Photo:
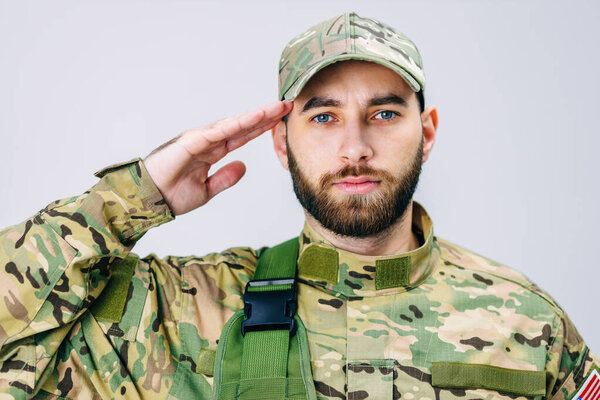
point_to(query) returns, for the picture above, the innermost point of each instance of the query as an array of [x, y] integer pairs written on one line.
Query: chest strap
[[263, 349]]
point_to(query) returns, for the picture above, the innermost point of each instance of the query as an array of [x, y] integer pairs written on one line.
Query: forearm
[[56, 263]]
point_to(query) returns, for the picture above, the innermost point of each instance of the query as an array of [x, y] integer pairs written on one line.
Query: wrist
[[132, 203]]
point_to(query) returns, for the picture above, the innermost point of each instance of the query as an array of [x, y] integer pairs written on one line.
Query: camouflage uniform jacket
[[378, 327]]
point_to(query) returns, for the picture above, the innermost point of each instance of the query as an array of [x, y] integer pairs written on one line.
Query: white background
[[513, 175]]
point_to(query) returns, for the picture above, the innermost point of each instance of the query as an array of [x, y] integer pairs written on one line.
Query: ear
[[429, 120], [279, 133]]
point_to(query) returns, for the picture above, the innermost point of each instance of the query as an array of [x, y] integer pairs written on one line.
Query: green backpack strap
[[263, 349]]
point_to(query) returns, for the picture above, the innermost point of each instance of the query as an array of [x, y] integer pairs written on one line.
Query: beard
[[357, 215]]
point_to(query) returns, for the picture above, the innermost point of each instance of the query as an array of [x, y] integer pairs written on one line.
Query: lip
[[357, 184], [358, 179]]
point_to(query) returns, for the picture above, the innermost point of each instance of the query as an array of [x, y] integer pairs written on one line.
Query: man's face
[[355, 147]]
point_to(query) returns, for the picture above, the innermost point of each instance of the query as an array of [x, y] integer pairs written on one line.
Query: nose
[[355, 146]]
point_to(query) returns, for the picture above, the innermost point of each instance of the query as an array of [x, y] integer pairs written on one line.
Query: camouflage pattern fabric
[[365, 342], [344, 37]]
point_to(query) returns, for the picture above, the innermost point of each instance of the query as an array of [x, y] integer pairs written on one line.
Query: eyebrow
[[316, 102], [388, 99]]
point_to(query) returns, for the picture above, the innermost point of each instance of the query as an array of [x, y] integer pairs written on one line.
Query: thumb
[[224, 178]]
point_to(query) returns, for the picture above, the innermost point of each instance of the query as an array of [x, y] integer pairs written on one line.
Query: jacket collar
[[350, 274]]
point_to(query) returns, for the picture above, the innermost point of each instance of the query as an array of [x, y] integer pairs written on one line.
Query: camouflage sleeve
[[56, 263], [573, 363]]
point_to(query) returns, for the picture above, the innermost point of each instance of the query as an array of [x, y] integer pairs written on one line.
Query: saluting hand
[[180, 167]]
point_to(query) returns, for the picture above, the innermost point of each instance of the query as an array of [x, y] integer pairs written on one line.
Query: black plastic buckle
[[270, 310]]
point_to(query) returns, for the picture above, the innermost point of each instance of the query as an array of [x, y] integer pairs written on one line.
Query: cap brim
[[299, 84]]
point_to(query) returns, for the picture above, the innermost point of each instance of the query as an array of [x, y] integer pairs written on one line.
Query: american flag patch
[[590, 389]]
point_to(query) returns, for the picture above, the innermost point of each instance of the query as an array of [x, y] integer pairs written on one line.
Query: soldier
[[365, 304]]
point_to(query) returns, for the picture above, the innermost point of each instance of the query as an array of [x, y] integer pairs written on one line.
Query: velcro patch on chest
[[590, 390]]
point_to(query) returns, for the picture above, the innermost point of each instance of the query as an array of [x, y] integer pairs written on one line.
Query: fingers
[[247, 122], [201, 139], [236, 142], [225, 177]]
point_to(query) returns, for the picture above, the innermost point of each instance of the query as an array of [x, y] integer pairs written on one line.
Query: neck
[[398, 238]]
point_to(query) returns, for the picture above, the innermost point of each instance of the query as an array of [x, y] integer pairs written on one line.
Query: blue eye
[[322, 118], [385, 114]]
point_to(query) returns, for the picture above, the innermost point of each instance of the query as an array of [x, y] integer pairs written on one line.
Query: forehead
[[354, 78]]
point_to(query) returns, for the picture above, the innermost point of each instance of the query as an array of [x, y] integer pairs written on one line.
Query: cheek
[[314, 156], [315, 162], [396, 153]]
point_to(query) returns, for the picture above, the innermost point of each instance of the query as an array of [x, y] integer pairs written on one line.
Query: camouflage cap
[[347, 37]]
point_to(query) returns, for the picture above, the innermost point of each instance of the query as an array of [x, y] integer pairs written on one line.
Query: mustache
[[355, 170]]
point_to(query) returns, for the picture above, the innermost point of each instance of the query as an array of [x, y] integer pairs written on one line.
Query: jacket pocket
[[480, 376], [119, 308], [372, 379]]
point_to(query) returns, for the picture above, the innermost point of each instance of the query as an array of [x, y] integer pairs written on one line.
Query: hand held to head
[[180, 167]]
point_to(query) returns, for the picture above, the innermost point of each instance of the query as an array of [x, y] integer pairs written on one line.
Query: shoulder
[[535, 324], [477, 269], [206, 289]]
